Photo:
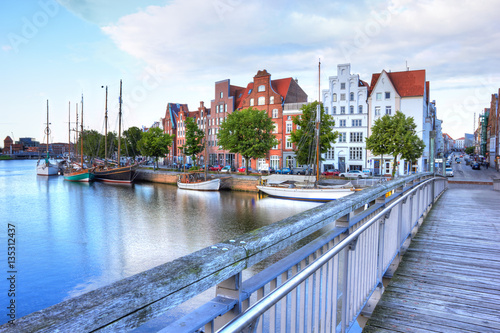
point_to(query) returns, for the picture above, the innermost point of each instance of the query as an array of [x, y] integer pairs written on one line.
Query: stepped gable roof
[[407, 83], [174, 109]]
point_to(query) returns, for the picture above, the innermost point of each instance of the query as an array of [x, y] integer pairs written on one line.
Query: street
[[463, 172]]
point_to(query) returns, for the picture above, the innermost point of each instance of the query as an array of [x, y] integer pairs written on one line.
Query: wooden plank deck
[[449, 279]]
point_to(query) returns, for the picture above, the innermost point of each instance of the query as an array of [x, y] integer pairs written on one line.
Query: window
[[225, 107], [388, 110], [356, 122], [387, 95], [351, 109], [261, 88], [251, 101], [355, 153], [342, 97], [342, 85], [262, 100], [351, 97], [326, 110], [379, 96], [275, 113], [289, 127], [360, 108], [342, 110], [275, 129], [334, 97], [334, 110], [342, 137], [342, 123], [330, 153], [289, 144], [221, 94], [377, 110], [271, 100], [356, 137]]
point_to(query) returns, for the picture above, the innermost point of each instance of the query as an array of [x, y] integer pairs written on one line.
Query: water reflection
[[74, 238]]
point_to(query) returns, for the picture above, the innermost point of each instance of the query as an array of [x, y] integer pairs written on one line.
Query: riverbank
[[228, 182]]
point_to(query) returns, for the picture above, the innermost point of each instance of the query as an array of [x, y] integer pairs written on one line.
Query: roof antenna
[[407, 68]]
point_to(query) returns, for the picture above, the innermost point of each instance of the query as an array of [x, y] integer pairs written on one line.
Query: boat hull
[[209, 185], [121, 175], [306, 194], [81, 176], [47, 169]]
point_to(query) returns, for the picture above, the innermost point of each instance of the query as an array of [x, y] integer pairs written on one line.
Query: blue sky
[[174, 51]]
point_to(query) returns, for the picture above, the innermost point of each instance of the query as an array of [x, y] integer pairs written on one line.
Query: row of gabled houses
[[487, 144], [354, 104]]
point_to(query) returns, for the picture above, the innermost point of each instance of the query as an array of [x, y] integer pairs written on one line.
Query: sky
[[175, 50]]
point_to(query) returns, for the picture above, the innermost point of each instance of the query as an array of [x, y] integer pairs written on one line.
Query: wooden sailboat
[[45, 167], [79, 172], [114, 173], [286, 190]]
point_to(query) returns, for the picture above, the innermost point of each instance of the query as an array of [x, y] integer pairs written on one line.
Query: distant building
[[9, 147], [460, 143], [29, 142], [345, 100]]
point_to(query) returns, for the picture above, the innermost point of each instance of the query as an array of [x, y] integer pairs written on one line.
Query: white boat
[[294, 192], [45, 167], [193, 181]]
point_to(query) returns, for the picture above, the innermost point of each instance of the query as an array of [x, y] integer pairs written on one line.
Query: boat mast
[[206, 144], [81, 136], [120, 123], [106, 129], [69, 130], [318, 120], [47, 132], [76, 133]]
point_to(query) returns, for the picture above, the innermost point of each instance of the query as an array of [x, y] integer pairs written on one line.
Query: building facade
[[346, 101], [407, 92]]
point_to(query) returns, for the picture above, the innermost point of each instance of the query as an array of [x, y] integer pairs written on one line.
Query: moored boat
[[46, 167], [194, 181], [294, 192]]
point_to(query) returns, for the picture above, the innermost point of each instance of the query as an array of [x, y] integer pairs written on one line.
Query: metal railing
[[331, 292], [367, 253]]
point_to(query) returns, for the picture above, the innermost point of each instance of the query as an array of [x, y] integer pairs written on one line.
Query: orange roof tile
[[407, 83]]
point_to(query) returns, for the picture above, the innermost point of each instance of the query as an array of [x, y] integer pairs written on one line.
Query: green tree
[[91, 143], [248, 132], [469, 150], [304, 137], [131, 138], [155, 143], [194, 139], [396, 136]]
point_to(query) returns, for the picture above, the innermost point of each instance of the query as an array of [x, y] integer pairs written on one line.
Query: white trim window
[[355, 153], [261, 100], [342, 123], [356, 122], [275, 113], [289, 144], [289, 126], [330, 153], [356, 137], [261, 88], [377, 111], [342, 137], [388, 110], [271, 100], [360, 108], [251, 102]]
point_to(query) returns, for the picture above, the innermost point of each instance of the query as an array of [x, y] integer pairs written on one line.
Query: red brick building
[[280, 98]]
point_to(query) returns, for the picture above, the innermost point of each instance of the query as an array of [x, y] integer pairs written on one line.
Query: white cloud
[[6, 48]]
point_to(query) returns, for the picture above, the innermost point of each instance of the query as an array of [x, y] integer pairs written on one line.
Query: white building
[[460, 143], [345, 100], [407, 92]]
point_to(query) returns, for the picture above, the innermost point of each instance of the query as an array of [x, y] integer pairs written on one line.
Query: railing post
[[230, 288]]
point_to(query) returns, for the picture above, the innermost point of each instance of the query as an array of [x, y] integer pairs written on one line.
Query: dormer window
[[261, 88]]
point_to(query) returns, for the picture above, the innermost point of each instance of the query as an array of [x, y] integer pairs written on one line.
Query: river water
[[71, 238]]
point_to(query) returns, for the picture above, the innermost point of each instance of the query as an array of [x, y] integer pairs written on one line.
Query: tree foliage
[[395, 135], [304, 137], [469, 150], [248, 132], [131, 138], [155, 143], [194, 139]]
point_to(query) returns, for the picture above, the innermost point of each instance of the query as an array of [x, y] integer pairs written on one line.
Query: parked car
[[301, 171], [354, 174], [476, 166], [284, 171], [449, 172], [242, 169], [216, 167], [331, 172], [226, 169], [265, 169]]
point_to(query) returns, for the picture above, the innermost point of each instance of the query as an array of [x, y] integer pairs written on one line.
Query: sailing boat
[[78, 172], [287, 190], [45, 168], [114, 173]]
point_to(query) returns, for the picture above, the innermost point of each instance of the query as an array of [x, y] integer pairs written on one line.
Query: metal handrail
[[255, 311]]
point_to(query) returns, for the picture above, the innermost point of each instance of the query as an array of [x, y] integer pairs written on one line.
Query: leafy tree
[[155, 143], [194, 139], [131, 137], [395, 135], [248, 132], [91, 142], [304, 137], [469, 150]]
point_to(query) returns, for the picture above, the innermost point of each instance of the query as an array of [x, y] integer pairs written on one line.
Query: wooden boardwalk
[[449, 279]]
